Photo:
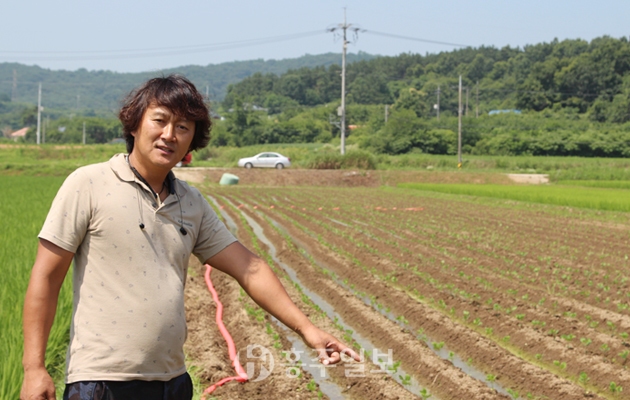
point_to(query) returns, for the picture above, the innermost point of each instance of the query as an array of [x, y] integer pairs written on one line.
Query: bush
[[325, 161], [359, 159], [353, 159]]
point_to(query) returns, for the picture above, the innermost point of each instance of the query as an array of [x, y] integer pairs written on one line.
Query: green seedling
[[311, 385], [560, 364], [438, 345], [583, 378], [615, 388], [405, 380], [514, 393]]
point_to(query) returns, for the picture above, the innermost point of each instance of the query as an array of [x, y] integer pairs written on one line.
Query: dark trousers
[[179, 388]]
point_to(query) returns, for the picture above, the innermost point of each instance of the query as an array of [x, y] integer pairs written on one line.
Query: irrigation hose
[[242, 376]]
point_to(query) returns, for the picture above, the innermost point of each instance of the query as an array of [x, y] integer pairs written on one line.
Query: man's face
[[162, 139]]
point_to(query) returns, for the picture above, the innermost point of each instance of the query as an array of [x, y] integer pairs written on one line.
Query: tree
[[293, 87], [414, 100], [369, 89], [29, 116], [478, 68]]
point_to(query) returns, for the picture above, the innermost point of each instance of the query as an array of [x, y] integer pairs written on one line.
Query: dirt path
[[343, 178]]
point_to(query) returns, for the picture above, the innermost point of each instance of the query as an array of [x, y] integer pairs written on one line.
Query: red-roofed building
[[19, 134]]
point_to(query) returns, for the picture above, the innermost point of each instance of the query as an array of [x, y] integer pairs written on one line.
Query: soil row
[[439, 376], [446, 288]]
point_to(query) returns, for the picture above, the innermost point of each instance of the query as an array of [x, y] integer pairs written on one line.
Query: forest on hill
[[96, 92], [569, 97], [574, 74]]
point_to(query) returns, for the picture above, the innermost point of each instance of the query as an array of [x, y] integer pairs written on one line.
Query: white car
[[265, 160]]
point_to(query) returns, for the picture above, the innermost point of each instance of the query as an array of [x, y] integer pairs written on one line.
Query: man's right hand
[[37, 385], [40, 304]]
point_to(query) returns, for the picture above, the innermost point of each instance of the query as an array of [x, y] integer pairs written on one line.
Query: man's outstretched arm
[[40, 304], [263, 286]]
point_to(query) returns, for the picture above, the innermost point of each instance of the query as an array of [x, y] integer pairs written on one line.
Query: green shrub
[[353, 159], [359, 159]]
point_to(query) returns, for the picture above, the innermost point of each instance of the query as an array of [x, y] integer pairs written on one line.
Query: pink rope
[[242, 376]]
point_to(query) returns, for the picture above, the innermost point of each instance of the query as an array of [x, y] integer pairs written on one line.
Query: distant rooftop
[[19, 133]]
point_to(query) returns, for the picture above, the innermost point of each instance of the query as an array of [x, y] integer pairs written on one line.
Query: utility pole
[[477, 100], [343, 86], [466, 100], [459, 127], [14, 91], [44, 129], [39, 113], [83, 132], [342, 109], [438, 103]]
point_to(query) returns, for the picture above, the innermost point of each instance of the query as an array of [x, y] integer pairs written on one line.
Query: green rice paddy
[[24, 205], [30, 177], [597, 198]]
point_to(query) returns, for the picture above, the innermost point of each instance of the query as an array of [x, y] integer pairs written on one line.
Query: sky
[[143, 35]]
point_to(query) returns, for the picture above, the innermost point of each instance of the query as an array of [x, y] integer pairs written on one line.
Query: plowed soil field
[[451, 297]]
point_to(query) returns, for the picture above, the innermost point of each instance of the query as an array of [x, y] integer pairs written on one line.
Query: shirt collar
[[120, 166]]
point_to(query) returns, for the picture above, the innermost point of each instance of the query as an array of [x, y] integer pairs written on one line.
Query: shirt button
[[154, 205]]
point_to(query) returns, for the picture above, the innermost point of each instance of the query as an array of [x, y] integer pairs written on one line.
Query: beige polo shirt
[[128, 312]]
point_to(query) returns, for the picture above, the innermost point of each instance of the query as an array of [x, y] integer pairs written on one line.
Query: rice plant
[[25, 203]]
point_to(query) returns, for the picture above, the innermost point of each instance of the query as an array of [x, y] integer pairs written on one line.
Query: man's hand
[[37, 385], [328, 347], [40, 304], [256, 277]]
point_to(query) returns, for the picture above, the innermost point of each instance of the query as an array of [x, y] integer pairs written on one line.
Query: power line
[[153, 52], [197, 46], [415, 39], [63, 55]]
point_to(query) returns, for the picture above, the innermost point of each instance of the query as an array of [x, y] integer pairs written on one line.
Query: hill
[[90, 92], [561, 98], [583, 77]]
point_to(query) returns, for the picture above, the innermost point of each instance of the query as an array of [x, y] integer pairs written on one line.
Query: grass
[[25, 204], [52, 160], [598, 184], [603, 199], [56, 160], [558, 168]]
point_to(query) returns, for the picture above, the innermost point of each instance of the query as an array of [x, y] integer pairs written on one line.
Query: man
[[130, 227]]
